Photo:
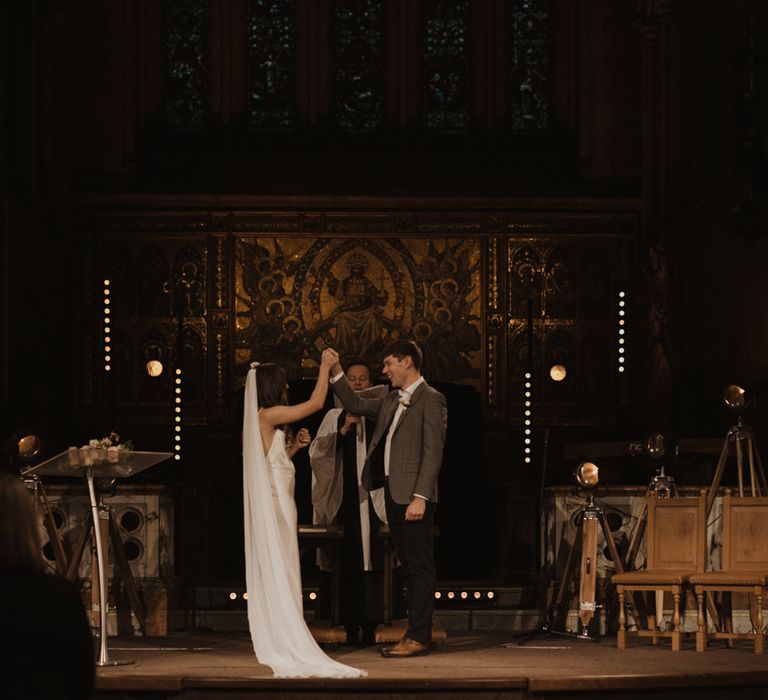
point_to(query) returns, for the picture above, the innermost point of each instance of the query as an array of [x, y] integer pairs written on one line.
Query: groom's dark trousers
[[415, 458], [413, 544]]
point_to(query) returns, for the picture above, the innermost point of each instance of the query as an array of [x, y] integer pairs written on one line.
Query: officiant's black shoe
[[369, 635], [405, 648], [353, 635]]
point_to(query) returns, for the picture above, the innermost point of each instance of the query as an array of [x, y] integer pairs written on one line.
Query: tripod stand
[[590, 518], [35, 487], [104, 530], [663, 486], [742, 437], [584, 549]]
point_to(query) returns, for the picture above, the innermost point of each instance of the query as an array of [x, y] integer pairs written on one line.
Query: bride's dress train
[[281, 638]]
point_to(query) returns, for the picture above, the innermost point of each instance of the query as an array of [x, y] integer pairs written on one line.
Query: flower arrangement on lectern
[[110, 449], [112, 440]]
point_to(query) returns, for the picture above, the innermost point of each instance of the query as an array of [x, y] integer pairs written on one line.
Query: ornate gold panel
[[296, 296]]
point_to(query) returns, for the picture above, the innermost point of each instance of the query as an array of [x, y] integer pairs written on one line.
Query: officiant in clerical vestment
[[337, 456]]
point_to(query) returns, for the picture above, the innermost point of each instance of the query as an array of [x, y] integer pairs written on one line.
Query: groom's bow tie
[[403, 393]]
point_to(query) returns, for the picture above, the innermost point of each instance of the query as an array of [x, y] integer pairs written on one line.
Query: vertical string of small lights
[[107, 329], [527, 420], [622, 330], [177, 416], [528, 391]]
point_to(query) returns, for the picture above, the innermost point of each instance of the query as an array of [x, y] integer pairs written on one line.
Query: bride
[[280, 636]]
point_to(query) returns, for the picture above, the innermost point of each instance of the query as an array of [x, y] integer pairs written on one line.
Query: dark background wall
[[655, 138]]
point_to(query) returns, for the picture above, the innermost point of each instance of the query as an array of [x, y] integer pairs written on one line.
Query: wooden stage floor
[[221, 665]]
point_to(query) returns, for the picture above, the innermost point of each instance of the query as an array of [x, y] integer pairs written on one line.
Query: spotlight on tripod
[[737, 400], [661, 446], [588, 477], [584, 549], [23, 452], [29, 447]]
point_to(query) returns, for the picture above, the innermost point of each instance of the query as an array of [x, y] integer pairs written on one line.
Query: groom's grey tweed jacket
[[416, 450]]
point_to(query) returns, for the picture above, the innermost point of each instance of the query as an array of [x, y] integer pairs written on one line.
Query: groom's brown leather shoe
[[404, 648]]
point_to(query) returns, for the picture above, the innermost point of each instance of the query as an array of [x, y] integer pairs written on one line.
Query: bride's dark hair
[[271, 383], [272, 386]]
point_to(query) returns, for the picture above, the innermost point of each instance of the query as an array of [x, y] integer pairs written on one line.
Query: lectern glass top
[[74, 462]]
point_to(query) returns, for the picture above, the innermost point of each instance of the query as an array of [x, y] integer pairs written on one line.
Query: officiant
[[337, 456]]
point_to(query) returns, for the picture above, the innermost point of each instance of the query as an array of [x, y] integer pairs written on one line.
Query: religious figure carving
[[359, 319]]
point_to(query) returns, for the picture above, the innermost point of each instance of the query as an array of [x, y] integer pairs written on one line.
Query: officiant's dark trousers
[[413, 545]]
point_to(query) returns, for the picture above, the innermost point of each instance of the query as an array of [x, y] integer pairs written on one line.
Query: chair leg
[[676, 633], [759, 622], [728, 616], [701, 622], [659, 607], [654, 621], [621, 637]]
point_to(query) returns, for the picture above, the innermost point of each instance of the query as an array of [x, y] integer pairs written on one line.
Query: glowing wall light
[[154, 368], [557, 373]]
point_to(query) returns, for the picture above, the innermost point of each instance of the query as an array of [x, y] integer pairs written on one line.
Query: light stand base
[[545, 631], [112, 662]]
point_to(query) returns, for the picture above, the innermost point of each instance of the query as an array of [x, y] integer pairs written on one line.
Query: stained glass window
[[358, 65], [446, 65], [185, 63], [271, 74], [529, 42]]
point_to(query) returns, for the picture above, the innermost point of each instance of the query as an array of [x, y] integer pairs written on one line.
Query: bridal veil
[[281, 638]]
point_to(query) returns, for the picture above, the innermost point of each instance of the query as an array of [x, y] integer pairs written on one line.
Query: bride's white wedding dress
[[280, 636]]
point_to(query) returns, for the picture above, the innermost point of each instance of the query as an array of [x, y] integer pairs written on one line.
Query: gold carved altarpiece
[[296, 296]]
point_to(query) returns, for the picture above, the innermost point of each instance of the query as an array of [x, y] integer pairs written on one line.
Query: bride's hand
[[303, 438], [329, 358]]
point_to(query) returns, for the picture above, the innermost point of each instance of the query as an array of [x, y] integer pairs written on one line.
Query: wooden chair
[[675, 549], [744, 570]]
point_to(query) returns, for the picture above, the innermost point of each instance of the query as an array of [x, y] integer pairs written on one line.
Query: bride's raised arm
[[284, 415]]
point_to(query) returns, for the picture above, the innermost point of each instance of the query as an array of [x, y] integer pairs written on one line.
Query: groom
[[405, 455]]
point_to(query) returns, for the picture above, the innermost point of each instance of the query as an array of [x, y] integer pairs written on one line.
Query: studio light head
[[22, 451], [660, 445], [105, 486], [29, 447], [736, 398], [588, 476]]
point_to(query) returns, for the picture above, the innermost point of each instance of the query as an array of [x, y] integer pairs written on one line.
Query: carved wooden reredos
[[213, 290]]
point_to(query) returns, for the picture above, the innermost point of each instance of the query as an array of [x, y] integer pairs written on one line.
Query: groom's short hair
[[405, 348]]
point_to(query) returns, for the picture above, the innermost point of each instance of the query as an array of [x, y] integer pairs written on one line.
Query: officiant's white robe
[[328, 482]]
